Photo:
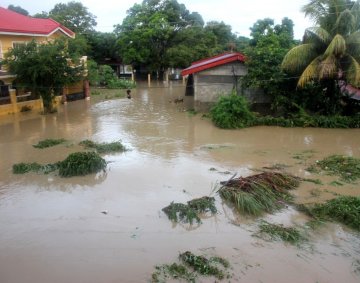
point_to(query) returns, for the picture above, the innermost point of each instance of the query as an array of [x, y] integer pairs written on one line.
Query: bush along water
[[232, 112], [48, 143], [76, 164]]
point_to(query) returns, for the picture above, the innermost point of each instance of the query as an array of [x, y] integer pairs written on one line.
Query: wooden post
[[87, 89], [64, 97], [13, 99], [184, 81], [149, 79], [132, 76], [167, 76]]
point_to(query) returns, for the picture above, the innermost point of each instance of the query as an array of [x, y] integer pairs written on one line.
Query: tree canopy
[[44, 68], [18, 9], [75, 16]]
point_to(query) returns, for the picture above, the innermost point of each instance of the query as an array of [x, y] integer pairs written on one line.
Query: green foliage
[[193, 265], [18, 9], [232, 112], [75, 16], [265, 53], [278, 231], [48, 143], [173, 271], [104, 147], [344, 209], [103, 46], [189, 212], [254, 195], [346, 167], [208, 267], [44, 68], [81, 163], [22, 168], [121, 83]]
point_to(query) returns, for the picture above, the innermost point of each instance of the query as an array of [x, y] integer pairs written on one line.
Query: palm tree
[[330, 51]]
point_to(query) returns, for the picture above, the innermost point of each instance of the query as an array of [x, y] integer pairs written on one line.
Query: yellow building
[[18, 29]]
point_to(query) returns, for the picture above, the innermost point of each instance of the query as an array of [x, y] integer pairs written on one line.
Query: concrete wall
[[210, 84]]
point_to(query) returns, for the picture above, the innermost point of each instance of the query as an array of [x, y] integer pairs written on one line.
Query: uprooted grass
[[280, 232], [191, 267], [48, 143], [254, 195], [346, 167], [214, 266], [104, 147], [76, 164], [343, 209], [187, 213]]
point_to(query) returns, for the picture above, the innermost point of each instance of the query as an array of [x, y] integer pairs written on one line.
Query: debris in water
[[254, 195], [187, 213]]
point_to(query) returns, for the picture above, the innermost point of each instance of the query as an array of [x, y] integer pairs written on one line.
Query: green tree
[[330, 51], [266, 50], [75, 16], [103, 46], [45, 68], [18, 9]]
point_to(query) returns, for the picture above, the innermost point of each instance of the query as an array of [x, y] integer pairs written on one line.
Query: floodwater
[[109, 227]]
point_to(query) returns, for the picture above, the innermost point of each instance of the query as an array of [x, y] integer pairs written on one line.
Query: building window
[[18, 43]]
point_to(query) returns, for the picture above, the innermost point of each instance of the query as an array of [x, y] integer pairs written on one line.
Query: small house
[[212, 77]]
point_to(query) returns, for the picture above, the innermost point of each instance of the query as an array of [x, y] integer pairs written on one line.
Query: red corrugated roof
[[213, 62], [14, 23]]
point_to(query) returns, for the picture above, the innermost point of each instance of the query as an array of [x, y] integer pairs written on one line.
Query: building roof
[[212, 62], [17, 24]]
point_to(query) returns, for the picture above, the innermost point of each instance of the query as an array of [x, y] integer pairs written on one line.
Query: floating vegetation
[[48, 143], [173, 271], [104, 147], [344, 209], [81, 163], [214, 266], [254, 195], [277, 166], [76, 164], [192, 266], [304, 155], [280, 232], [315, 192], [336, 184], [315, 181], [347, 168], [187, 213]]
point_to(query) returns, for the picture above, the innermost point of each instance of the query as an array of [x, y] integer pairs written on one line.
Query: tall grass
[[48, 143], [104, 147]]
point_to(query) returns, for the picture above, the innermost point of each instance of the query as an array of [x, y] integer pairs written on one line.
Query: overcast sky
[[240, 14]]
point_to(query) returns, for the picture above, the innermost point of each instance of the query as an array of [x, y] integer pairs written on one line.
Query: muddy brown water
[[53, 230]]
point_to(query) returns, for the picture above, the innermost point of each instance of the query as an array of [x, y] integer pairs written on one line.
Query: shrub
[[232, 112], [81, 163], [104, 147], [48, 143]]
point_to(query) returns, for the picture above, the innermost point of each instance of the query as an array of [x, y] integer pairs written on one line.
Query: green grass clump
[[187, 213], [22, 168], [81, 163], [278, 231], [254, 195], [347, 168], [172, 271], [214, 266], [344, 209], [104, 147], [48, 143]]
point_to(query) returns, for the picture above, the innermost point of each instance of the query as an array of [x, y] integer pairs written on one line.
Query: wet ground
[[110, 228]]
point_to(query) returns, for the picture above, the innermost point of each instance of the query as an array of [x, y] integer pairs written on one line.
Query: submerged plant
[[279, 231], [172, 271], [104, 147], [254, 195], [189, 212], [209, 267], [344, 209], [346, 167], [81, 163], [22, 168], [48, 143]]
